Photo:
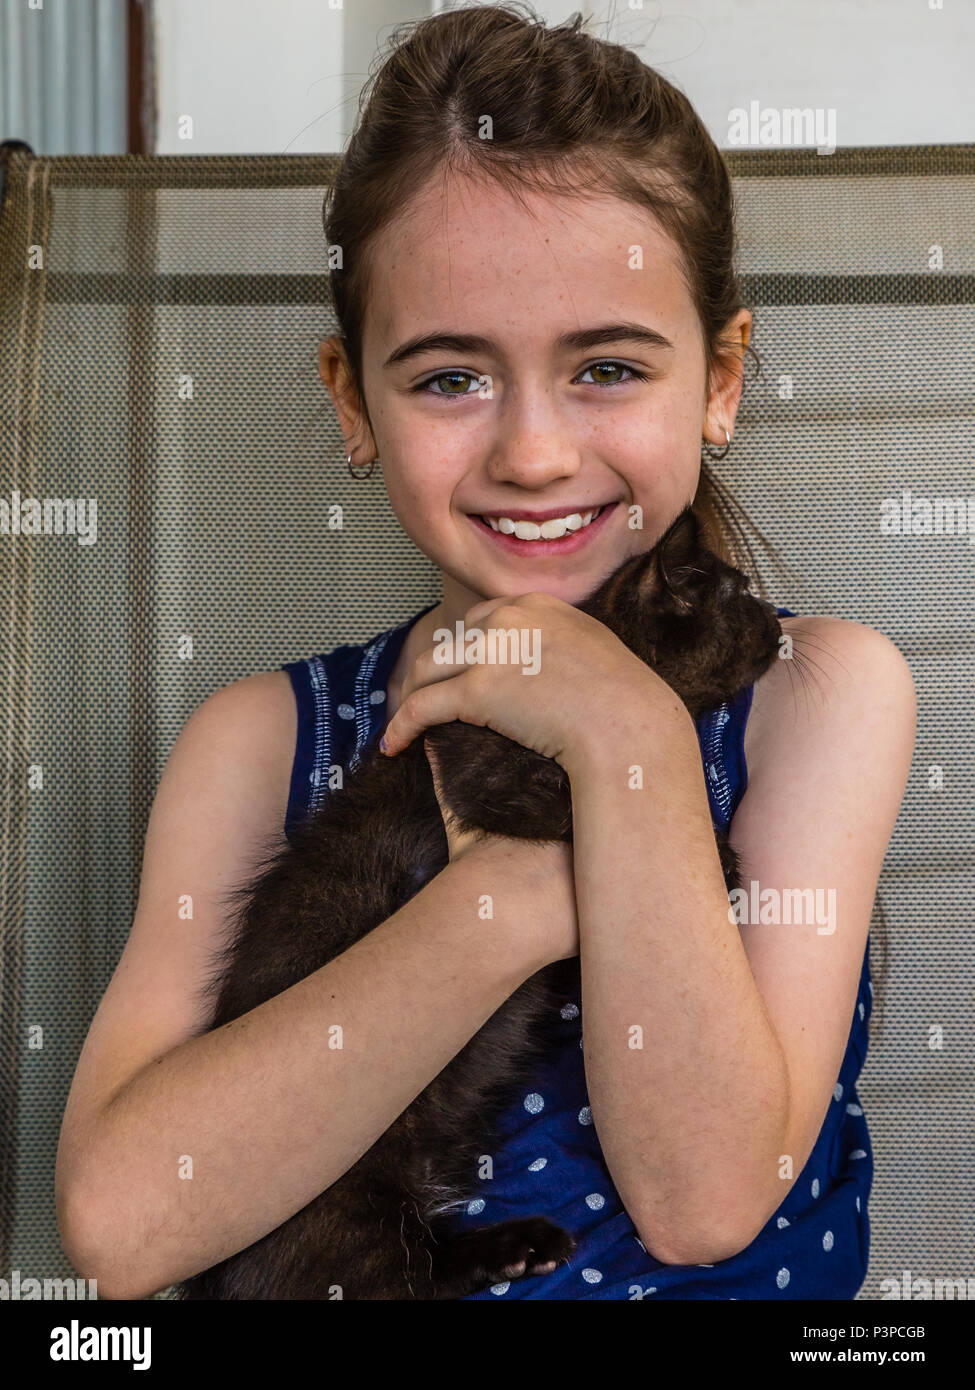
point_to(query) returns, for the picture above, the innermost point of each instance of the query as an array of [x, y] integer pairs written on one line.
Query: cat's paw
[[514, 1249]]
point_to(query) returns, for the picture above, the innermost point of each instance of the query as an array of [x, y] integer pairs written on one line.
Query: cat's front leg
[[474, 1260]]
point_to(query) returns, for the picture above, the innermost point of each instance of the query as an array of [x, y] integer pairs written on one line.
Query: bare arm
[[270, 1114], [267, 1111]]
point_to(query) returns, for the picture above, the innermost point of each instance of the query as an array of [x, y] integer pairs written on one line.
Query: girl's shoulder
[[838, 686], [257, 716]]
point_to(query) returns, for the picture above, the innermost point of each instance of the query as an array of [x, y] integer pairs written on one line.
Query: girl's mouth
[[564, 545]]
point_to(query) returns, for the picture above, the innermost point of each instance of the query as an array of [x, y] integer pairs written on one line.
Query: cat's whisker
[[405, 1245], [429, 1229], [804, 663], [796, 668], [802, 666], [826, 648]]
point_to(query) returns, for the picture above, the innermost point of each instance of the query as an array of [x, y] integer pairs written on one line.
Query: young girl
[[540, 323]]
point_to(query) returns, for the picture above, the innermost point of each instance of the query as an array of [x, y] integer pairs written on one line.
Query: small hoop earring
[[352, 471], [724, 451]]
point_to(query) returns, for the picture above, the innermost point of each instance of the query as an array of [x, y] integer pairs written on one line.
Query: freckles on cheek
[[420, 503], [667, 441], [436, 471]]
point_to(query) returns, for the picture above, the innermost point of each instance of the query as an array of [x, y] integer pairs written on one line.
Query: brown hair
[[571, 114]]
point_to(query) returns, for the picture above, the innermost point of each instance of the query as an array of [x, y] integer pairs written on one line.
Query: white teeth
[[548, 530]]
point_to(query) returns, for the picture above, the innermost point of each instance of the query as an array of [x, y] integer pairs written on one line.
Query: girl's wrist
[[531, 888], [622, 709], [665, 730]]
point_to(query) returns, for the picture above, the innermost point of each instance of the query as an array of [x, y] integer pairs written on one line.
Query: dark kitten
[[382, 1230]]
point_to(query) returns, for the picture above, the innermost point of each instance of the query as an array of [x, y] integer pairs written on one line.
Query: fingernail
[[382, 744]]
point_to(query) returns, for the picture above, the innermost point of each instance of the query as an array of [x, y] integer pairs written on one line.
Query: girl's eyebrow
[[579, 340]]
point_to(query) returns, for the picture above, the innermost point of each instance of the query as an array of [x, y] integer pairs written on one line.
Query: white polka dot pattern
[[546, 1152]]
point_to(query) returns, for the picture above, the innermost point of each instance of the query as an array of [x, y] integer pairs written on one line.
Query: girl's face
[[532, 360]]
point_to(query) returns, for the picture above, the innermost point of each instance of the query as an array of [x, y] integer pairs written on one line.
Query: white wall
[[284, 75], [262, 76]]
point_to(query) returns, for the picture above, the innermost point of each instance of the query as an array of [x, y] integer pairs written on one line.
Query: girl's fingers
[[436, 703], [426, 671], [473, 616]]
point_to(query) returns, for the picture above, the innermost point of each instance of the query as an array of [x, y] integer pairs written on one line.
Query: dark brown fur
[[382, 1230]]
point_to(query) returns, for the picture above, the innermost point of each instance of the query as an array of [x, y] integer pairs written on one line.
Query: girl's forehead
[[483, 261], [491, 217]]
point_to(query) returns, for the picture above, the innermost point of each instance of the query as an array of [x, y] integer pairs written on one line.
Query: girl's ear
[[336, 373]]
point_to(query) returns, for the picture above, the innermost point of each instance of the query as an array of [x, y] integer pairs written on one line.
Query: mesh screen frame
[[135, 292]]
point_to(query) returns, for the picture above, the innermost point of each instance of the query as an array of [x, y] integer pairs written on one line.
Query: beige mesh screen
[[212, 522]]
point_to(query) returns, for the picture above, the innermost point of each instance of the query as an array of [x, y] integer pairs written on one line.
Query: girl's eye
[[466, 377], [616, 367], [447, 376]]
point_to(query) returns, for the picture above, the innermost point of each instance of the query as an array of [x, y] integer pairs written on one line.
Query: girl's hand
[[568, 677]]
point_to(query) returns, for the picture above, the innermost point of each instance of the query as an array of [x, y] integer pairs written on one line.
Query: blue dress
[[547, 1160]]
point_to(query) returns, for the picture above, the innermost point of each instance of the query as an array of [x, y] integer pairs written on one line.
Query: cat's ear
[[671, 562], [681, 541]]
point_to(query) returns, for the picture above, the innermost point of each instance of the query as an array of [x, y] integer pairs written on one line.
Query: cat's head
[[690, 616]]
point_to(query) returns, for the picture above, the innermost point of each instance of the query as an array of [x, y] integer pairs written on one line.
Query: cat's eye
[[634, 375]]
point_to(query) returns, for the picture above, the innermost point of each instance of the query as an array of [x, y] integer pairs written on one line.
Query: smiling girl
[[541, 326]]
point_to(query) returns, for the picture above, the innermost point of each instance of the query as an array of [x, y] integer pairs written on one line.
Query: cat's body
[[382, 1230]]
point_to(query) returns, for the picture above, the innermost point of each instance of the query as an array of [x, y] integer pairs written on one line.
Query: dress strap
[[721, 735], [341, 702], [313, 744]]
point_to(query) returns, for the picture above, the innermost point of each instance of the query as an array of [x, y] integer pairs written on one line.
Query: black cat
[[382, 1230]]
